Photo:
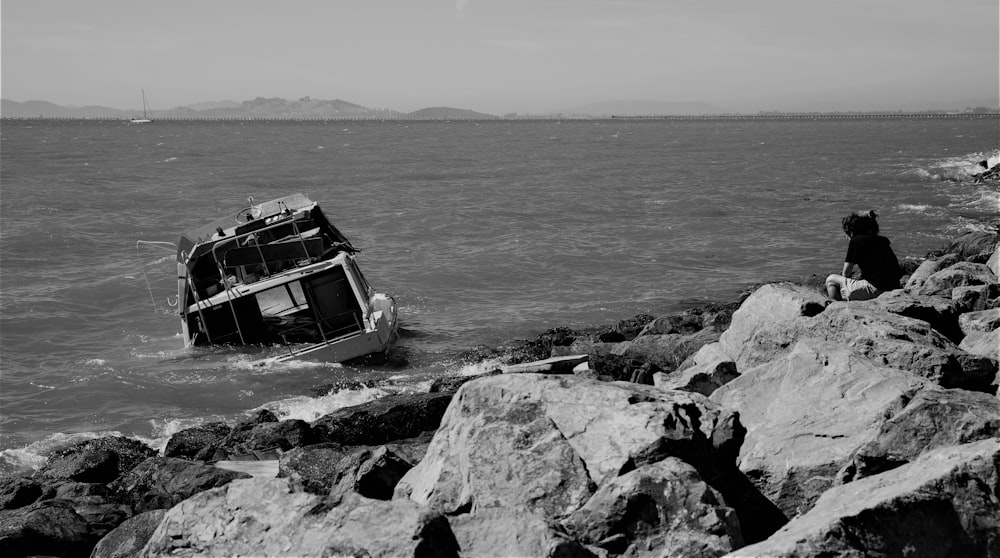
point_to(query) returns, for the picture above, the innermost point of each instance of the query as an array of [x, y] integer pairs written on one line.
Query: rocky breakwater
[[782, 425]]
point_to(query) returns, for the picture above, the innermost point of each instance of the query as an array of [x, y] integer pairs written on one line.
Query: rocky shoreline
[[778, 425]]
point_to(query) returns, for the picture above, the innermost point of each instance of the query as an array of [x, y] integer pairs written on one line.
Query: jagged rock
[[976, 246], [982, 321], [548, 442], [97, 460], [515, 532], [128, 539], [17, 492], [938, 311], [771, 303], [48, 528], [162, 482], [922, 273], [994, 261], [283, 435], [959, 275], [666, 351], [265, 517], [931, 418], [976, 297], [890, 339], [187, 443], [943, 504], [450, 384], [700, 378], [659, 509], [93, 503], [239, 437], [807, 413], [395, 417], [313, 468], [983, 343], [371, 472]]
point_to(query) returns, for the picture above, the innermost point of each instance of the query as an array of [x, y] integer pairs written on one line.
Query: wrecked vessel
[[281, 274]]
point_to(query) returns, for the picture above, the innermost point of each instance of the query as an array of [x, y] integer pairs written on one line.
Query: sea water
[[482, 231]]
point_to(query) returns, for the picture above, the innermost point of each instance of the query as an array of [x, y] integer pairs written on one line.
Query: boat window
[[282, 300]]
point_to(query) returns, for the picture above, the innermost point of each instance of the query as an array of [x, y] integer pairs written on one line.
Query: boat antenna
[[158, 244]]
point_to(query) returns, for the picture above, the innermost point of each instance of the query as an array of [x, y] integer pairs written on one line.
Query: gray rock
[[983, 343], [265, 517], [187, 443], [99, 460], [162, 482], [48, 528], [17, 492], [976, 297], [515, 532], [128, 539], [943, 504], [396, 417], [982, 321], [700, 378], [959, 275], [807, 413], [660, 509]]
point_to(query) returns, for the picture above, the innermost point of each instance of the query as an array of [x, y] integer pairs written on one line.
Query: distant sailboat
[[146, 112]]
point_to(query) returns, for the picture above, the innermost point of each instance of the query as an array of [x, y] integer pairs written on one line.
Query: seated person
[[873, 256]]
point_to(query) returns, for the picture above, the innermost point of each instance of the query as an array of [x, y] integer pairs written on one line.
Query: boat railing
[[237, 239], [328, 335]]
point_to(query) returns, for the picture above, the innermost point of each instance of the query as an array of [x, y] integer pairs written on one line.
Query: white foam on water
[[310, 409], [32, 456]]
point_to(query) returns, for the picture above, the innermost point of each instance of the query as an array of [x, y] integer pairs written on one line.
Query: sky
[[504, 56]]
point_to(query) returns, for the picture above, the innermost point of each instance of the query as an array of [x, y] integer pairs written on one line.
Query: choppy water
[[483, 231]]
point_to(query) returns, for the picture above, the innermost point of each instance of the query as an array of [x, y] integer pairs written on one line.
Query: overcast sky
[[500, 56]]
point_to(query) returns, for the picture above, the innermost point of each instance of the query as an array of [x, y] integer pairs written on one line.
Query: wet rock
[[395, 417], [313, 468], [162, 482], [48, 528], [667, 351], [240, 519], [17, 492], [98, 460], [659, 509], [187, 443], [943, 504], [128, 539], [450, 384]]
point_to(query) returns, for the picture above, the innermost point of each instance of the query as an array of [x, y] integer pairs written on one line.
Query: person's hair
[[860, 222]]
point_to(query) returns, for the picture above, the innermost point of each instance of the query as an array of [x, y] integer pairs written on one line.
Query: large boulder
[[659, 509], [930, 418], [666, 351], [700, 378], [807, 413], [959, 275], [17, 492], [549, 442], [891, 339], [778, 302], [187, 443], [48, 528], [943, 504], [372, 472], [265, 517], [98, 460], [983, 343], [128, 539], [938, 311], [516, 532], [391, 418], [313, 468], [162, 482]]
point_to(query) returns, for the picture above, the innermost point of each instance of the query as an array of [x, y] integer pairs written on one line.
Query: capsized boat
[[282, 274]]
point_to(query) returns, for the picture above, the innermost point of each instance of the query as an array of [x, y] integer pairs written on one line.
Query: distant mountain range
[[308, 108]]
